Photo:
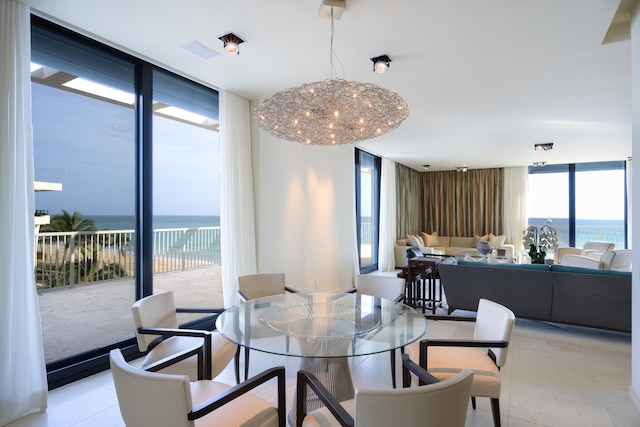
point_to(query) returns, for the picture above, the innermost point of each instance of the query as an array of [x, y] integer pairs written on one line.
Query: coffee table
[[324, 330]]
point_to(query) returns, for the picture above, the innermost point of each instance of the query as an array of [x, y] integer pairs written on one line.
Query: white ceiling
[[484, 80]]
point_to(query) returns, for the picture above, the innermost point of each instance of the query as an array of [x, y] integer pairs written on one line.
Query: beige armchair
[[588, 247], [252, 286], [157, 333], [441, 404], [162, 400], [443, 358], [389, 287]]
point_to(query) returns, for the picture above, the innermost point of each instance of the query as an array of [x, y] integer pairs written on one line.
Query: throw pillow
[[402, 242], [413, 240], [431, 239], [496, 241]]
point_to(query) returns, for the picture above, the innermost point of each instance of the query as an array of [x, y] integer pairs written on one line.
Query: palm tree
[[66, 222]]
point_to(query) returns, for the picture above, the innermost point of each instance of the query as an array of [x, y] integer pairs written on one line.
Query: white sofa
[[434, 244]]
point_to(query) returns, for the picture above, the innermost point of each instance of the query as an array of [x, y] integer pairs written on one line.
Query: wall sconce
[[544, 146], [461, 169], [231, 43], [381, 64]]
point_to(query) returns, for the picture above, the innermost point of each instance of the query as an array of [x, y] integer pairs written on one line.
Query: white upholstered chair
[[252, 286], [622, 261], [159, 400], [437, 404], [587, 248], [443, 358], [157, 333], [388, 287]]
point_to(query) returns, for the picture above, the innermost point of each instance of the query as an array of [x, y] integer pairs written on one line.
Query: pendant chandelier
[[332, 112]]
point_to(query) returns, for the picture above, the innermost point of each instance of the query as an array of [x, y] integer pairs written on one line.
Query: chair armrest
[[445, 317], [171, 332], [236, 391], [178, 357], [408, 366], [243, 297], [200, 310], [307, 378], [459, 343], [292, 290]]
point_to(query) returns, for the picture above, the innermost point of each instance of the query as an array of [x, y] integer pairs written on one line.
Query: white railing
[[70, 258]]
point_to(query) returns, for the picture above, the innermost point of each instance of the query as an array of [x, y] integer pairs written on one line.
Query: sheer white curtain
[[515, 205], [237, 211], [630, 203], [386, 260], [23, 382]]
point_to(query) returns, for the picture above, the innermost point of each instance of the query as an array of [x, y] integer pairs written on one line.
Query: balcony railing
[[70, 258]]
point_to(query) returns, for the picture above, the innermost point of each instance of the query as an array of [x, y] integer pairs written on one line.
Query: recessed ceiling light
[[200, 50], [539, 164], [231, 43], [461, 169]]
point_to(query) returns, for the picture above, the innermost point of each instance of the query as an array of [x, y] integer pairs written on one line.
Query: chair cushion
[[224, 350], [247, 411], [323, 418], [446, 362]]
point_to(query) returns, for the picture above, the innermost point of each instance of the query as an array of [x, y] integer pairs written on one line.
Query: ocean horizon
[[127, 222]]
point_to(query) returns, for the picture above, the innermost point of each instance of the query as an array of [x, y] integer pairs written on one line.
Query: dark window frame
[[571, 169], [82, 365], [375, 215]]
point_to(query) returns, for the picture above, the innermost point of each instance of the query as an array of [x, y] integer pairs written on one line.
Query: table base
[[333, 373]]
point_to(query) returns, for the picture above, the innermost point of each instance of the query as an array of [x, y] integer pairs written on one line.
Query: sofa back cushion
[[462, 242]]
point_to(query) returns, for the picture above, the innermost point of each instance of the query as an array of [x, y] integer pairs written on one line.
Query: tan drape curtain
[[409, 204], [449, 202]]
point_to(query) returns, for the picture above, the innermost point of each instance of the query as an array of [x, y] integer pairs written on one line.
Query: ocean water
[[127, 222]]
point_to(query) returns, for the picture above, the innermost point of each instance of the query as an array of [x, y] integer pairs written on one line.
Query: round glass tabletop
[[321, 324]]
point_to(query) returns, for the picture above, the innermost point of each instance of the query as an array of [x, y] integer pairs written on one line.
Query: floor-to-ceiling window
[[368, 168], [127, 183], [583, 202]]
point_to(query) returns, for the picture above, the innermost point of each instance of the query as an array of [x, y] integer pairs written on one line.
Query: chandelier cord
[[332, 53]]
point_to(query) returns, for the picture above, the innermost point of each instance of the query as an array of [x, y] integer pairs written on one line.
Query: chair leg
[[246, 363], [473, 402], [236, 365], [495, 409], [392, 356]]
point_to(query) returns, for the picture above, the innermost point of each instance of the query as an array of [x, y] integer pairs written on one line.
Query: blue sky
[[88, 146]]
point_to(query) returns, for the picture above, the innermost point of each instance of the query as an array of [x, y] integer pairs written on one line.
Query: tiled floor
[[555, 376]]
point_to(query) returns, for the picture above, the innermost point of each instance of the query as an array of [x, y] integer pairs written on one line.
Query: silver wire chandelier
[[332, 112]]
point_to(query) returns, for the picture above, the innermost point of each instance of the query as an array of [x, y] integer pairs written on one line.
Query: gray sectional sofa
[[556, 293]]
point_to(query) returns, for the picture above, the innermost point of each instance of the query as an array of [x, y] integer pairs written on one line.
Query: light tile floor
[[556, 375]]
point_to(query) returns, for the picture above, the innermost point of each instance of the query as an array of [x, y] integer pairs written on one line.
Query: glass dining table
[[324, 330]]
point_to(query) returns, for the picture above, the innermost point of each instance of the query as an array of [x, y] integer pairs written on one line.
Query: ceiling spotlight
[[231, 43], [543, 146], [426, 167], [381, 64], [539, 164], [461, 169]]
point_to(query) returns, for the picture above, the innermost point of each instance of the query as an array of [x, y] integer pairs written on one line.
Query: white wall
[[635, 135], [305, 208]]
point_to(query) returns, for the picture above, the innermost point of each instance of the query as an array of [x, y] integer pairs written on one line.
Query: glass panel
[[548, 203], [600, 206], [84, 152], [366, 220], [186, 192]]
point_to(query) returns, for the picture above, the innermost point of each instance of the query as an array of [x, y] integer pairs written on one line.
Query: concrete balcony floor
[[89, 316]]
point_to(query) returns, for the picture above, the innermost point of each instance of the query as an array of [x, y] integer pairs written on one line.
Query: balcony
[[85, 282]]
